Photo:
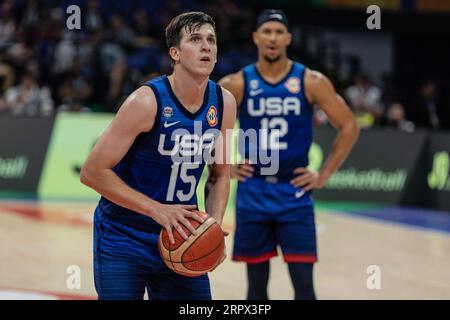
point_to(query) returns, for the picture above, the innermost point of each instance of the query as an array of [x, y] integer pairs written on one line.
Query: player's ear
[[289, 38], [255, 37], [174, 53]]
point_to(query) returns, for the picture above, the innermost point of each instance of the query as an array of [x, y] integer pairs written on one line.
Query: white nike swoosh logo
[[298, 194], [256, 92], [276, 16], [167, 125]]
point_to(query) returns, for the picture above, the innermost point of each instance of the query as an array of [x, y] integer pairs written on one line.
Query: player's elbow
[[355, 127], [221, 176], [349, 128], [86, 175], [352, 127]]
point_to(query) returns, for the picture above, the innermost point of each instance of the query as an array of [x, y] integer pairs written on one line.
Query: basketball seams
[[189, 245], [186, 244], [162, 247], [180, 267], [205, 255], [173, 257], [219, 245]]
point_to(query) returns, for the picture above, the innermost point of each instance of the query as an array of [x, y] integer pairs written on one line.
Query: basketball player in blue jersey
[[146, 168], [276, 97]]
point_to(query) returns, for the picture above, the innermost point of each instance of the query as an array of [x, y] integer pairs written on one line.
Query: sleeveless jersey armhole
[[244, 96], [158, 106], [220, 104], [310, 106]]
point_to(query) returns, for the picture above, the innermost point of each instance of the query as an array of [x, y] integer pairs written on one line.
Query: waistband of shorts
[[273, 179]]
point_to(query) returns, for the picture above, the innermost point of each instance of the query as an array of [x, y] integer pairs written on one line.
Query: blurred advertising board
[[74, 135], [382, 167], [438, 170], [43, 157], [23, 144]]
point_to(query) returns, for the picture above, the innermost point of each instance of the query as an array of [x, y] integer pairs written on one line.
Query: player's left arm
[[218, 183], [320, 91]]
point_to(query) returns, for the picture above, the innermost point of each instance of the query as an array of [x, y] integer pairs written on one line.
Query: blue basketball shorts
[[127, 262], [272, 215]]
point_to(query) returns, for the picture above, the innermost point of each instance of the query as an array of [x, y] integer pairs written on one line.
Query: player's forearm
[[218, 190], [109, 185], [342, 146]]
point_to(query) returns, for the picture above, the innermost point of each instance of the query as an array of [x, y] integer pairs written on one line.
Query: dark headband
[[272, 15]]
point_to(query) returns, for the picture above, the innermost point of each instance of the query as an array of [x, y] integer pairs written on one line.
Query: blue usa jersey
[[166, 163], [282, 118]]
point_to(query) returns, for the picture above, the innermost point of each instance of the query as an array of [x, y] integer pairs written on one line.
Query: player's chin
[[272, 57], [204, 70]]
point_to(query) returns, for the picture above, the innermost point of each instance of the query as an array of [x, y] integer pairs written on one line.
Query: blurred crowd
[[382, 106], [46, 68]]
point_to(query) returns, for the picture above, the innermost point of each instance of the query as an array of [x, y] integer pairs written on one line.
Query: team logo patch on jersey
[[211, 116], [293, 85], [168, 112], [254, 84]]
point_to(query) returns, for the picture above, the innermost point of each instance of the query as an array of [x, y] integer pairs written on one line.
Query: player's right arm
[[235, 83], [136, 115]]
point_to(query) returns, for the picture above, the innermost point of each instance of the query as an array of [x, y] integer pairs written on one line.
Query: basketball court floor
[[44, 244]]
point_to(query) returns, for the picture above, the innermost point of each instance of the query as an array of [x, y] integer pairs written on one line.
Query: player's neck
[[274, 71], [189, 90]]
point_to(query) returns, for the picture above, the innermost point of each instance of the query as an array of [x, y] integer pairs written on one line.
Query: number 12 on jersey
[[271, 132]]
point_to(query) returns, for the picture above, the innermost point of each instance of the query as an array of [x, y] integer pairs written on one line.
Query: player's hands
[[307, 179], [242, 171], [173, 215]]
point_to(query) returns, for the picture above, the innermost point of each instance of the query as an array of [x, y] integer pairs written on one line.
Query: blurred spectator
[[394, 118], [31, 14], [93, 19], [427, 108], [73, 106], [143, 29], [75, 85], [65, 52], [122, 82], [21, 50], [120, 32], [7, 25], [110, 53], [364, 99], [389, 93], [28, 99], [6, 77]]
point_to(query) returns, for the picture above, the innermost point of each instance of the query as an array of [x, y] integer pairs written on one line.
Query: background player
[[278, 95], [142, 186]]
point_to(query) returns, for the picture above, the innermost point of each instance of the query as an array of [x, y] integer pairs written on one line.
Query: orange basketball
[[197, 255]]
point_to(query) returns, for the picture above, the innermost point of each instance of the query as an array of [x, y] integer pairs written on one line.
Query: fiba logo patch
[[293, 85], [167, 112], [211, 116], [254, 84]]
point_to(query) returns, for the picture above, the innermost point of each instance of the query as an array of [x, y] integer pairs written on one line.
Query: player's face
[[272, 38], [198, 50]]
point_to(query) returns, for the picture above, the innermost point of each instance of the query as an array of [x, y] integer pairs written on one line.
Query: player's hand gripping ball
[[198, 254]]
